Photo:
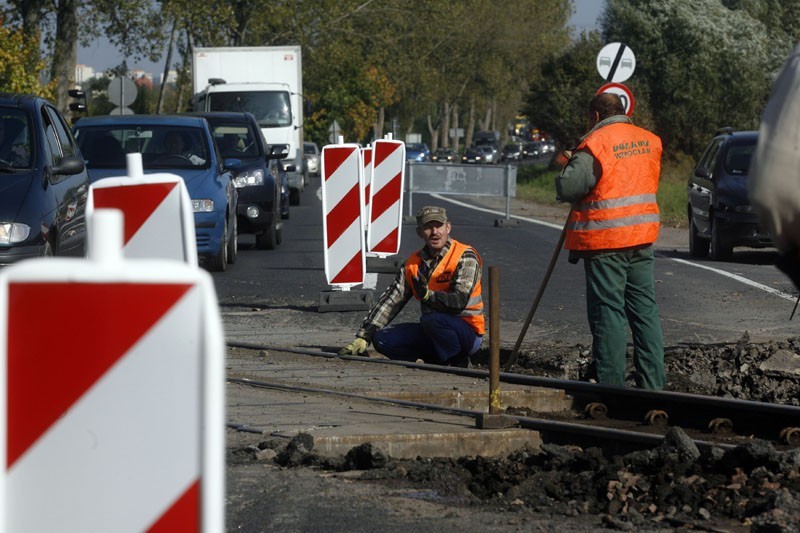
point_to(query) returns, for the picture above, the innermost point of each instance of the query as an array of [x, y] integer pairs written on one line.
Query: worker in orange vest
[[611, 180], [445, 277]]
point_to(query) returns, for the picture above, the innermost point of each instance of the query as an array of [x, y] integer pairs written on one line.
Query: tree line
[[437, 66]]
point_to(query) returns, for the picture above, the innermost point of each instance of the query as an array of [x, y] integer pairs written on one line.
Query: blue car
[[259, 177], [45, 185], [417, 152], [181, 145]]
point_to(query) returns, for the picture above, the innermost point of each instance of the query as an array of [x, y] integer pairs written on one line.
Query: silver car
[[311, 158]]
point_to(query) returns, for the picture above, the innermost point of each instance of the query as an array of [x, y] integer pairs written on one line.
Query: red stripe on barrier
[[382, 151], [388, 244], [386, 197], [137, 202], [333, 159], [351, 271], [49, 371], [183, 515], [341, 216]]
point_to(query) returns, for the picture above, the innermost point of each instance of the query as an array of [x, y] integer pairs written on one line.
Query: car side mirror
[[278, 151], [291, 167], [68, 165], [702, 173], [231, 163]]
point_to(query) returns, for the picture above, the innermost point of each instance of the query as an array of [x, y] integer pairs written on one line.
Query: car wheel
[[720, 250], [268, 239], [698, 246], [219, 262], [233, 243]]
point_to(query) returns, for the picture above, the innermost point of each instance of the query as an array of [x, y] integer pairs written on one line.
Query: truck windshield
[[271, 108]]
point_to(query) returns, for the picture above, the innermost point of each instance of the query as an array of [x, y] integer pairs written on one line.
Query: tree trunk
[[65, 52], [470, 123], [173, 34], [455, 128], [446, 126], [434, 132], [377, 128]]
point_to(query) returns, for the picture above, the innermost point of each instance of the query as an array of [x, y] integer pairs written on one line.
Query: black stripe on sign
[[614, 65]]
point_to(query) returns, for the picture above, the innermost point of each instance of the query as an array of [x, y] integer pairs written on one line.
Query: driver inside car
[[175, 143]]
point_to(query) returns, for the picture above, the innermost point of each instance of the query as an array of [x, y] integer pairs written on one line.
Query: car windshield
[[309, 149], [15, 139], [162, 146], [737, 158], [415, 147], [271, 108], [237, 141]]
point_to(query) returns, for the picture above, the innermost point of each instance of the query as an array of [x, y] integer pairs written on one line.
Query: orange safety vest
[[441, 278], [621, 211]]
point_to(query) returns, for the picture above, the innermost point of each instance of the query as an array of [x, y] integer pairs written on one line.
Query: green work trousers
[[620, 292]]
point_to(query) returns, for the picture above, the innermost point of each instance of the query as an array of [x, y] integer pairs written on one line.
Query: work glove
[[421, 286], [357, 347]]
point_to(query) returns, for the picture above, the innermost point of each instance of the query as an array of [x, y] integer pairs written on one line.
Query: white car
[[311, 158]]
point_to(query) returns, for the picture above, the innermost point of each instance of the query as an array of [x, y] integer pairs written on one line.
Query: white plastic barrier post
[[386, 204], [159, 220], [113, 418]]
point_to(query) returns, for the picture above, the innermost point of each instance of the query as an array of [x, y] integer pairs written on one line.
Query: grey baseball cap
[[431, 213]]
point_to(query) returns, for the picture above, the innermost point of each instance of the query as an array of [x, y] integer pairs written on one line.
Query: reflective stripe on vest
[[441, 278], [621, 211]]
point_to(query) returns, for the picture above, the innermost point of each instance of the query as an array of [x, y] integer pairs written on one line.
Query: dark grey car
[[719, 210]]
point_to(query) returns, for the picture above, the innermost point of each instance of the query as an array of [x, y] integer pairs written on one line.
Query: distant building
[[83, 73], [172, 77]]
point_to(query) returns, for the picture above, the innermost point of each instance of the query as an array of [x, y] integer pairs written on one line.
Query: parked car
[[417, 152], [105, 140], [444, 155], [719, 210], [473, 155], [45, 183], [512, 152], [260, 180], [311, 158]]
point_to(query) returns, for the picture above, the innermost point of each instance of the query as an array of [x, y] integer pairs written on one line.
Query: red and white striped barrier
[[342, 202], [112, 417], [157, 211], [366, 159], [386, 203]]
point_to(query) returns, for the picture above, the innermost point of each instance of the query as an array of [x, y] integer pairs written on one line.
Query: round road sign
[[121, 91], [623, 92], [616, 62]]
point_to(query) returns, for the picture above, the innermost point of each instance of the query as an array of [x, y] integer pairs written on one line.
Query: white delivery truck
[[267, 81]]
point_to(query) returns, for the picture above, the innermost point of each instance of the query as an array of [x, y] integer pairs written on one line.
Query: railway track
[[623, 418]]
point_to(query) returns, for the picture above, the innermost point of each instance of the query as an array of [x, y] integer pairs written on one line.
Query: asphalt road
[[700, 301]]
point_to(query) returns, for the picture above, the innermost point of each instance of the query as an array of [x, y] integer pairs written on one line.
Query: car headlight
[[249, 178], [12, 232], [203, 205]]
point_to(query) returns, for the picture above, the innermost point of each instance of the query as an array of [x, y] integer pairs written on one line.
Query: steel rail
[[763, 420], [545, 426]]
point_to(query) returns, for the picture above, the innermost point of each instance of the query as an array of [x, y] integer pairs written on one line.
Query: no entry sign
[[616, 62], [623, 92]]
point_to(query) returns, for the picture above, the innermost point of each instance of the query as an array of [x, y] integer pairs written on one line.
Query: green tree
[[702, 63], [21, 64]]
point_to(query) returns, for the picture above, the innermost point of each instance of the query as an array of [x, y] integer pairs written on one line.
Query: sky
[[101, 55]]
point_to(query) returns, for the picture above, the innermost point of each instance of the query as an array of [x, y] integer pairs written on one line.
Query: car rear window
[[106, 146], [737, 159]]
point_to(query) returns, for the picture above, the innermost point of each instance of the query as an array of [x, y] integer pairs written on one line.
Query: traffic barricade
[[157, 209], [343, 228], [113, 416]]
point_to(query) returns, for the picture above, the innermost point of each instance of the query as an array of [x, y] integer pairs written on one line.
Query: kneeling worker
[[445, 276]]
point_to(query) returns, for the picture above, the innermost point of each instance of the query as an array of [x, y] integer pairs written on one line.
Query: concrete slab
[[339, 423]]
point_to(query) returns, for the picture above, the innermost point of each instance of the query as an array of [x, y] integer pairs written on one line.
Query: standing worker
[[611, 181], [445, 276]]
